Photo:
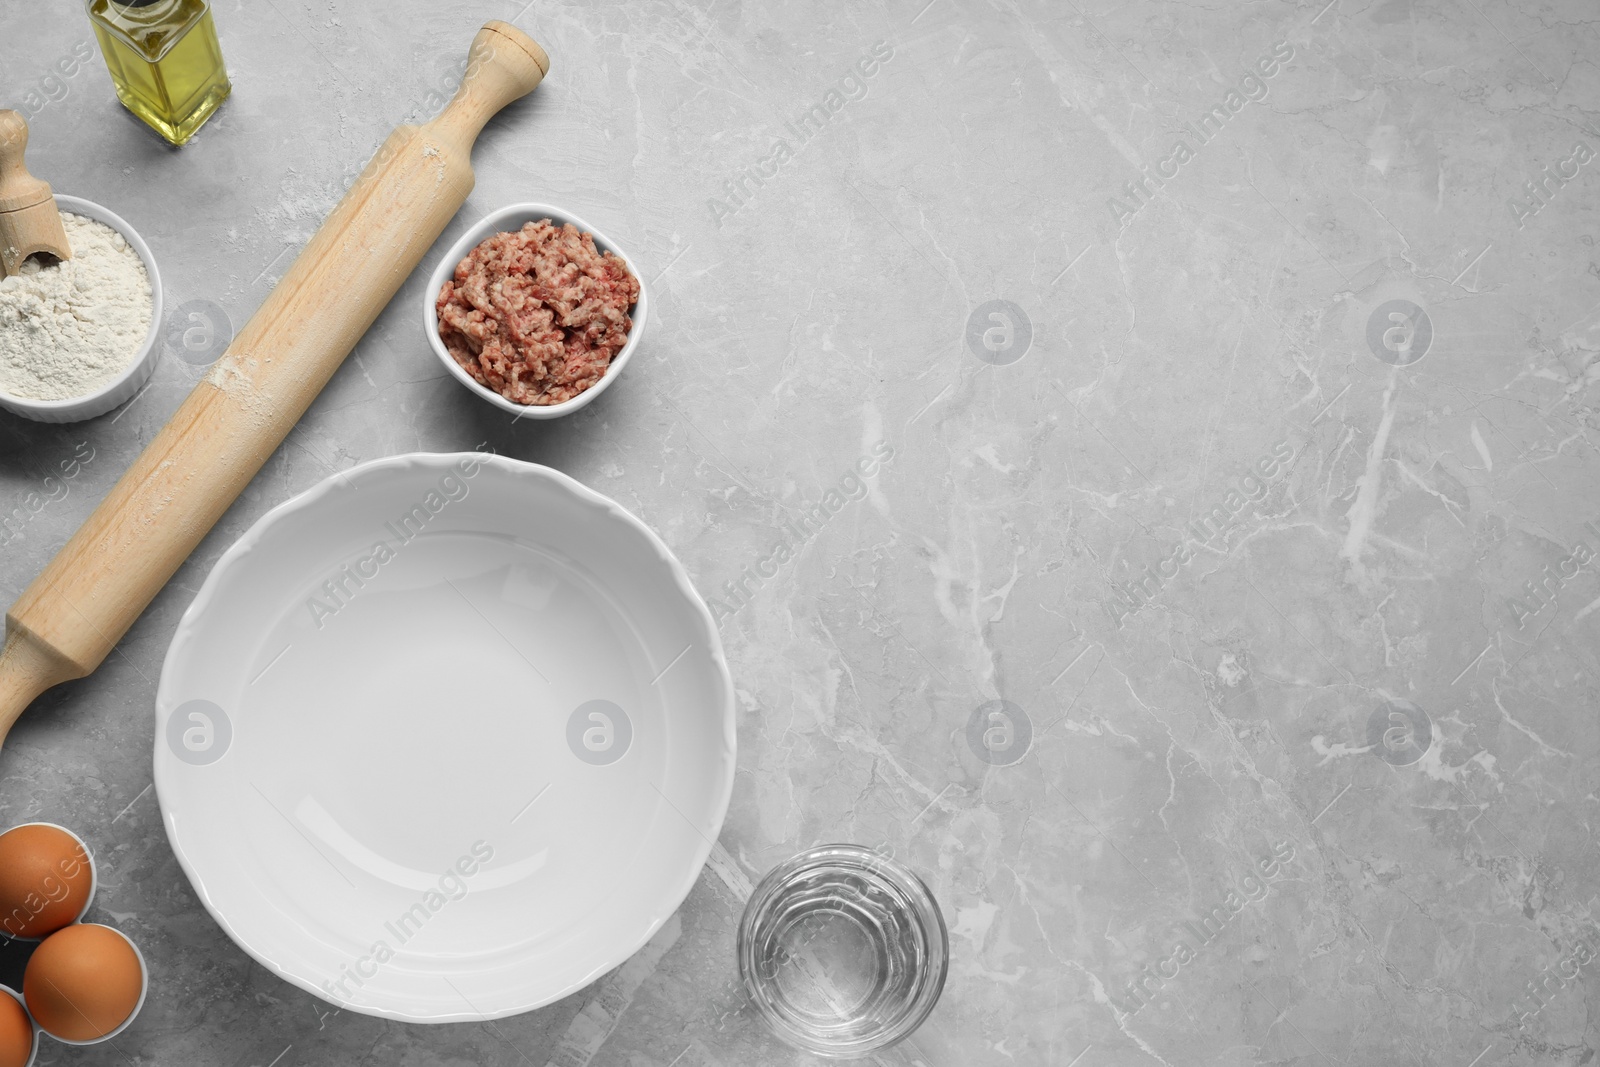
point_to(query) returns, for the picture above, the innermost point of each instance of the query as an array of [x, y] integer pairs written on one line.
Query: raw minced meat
[[537, 314]]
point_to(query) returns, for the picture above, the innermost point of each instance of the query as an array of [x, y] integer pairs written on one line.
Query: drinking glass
[[843, 951]]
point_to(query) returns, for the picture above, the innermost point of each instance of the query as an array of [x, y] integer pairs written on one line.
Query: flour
[[66, 330]]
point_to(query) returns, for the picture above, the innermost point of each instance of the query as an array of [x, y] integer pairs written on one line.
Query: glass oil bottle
[[164, 60]]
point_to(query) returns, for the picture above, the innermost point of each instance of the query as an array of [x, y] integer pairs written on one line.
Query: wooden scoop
[[29, 221], [73, 614]]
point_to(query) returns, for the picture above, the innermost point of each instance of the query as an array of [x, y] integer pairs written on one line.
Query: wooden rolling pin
[[70, 618]]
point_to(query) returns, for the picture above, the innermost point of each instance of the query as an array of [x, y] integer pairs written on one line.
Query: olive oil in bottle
[[164, 60]]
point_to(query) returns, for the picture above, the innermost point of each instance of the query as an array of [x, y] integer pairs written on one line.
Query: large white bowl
[[382, 770], [505, 220], [125, 386]]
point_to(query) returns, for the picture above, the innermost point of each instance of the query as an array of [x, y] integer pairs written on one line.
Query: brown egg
[[83, 982], [16, 1033], [45, 880]]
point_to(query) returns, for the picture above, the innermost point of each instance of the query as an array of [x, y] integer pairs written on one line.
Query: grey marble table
[[1219, 639]]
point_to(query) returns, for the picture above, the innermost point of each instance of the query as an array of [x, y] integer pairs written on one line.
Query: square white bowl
[[505, 220], [126, 385]]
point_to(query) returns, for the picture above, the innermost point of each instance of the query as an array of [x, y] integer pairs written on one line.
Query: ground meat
[[537, 315]]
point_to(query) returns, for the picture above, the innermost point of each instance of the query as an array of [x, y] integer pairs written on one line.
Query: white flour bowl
[[125, 385]]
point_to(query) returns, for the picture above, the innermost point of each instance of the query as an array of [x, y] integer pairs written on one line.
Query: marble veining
[[1141, 458]]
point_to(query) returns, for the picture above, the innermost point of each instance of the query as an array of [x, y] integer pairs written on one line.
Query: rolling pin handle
[[28, 667], [503, 65]]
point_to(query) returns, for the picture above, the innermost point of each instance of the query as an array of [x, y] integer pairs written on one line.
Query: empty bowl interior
[[477, 703]]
